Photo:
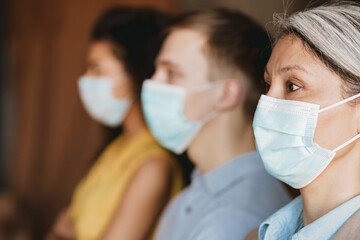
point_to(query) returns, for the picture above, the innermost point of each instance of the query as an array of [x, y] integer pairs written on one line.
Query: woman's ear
[[357, 109], [229, 96]]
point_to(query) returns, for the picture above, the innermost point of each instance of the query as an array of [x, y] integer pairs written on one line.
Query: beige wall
[[261, 10]]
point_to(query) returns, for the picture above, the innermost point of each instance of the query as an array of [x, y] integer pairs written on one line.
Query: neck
[[220, 141], [339, 183], [134, 121]]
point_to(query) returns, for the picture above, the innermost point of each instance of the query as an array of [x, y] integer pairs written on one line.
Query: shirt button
[[188, 210]]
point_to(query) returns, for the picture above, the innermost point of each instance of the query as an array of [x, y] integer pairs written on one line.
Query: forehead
[[291, 54], [290, 50], [185, 47], [100, 48], [102, 51], [291, 57]]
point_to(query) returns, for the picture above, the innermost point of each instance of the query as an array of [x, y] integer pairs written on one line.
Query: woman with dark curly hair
[[125, 191]]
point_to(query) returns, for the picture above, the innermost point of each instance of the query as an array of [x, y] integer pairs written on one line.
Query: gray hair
[[332, 32]]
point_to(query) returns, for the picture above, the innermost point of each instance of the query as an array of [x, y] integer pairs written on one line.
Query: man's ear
[[230, 95]]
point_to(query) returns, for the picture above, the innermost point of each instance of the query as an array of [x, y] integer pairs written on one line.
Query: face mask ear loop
[[210, 116], [340, 103], [204, 87], [346, 143], [214, 113]]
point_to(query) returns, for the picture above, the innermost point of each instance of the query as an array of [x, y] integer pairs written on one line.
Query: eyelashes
[[289, 86], [267, 87]]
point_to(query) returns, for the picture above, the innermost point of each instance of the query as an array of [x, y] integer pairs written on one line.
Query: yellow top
[[98, 195]]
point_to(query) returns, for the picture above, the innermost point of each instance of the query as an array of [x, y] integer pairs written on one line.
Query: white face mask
[[163, 106], [98, 99], [284, 132]]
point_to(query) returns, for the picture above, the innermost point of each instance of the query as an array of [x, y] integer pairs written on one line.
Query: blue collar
[[287, 222]]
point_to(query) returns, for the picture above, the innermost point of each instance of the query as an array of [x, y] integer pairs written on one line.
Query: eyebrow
[[291, 67], [91, 63], [168, 63], [288, 68]]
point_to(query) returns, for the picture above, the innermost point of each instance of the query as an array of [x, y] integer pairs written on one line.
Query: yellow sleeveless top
[[98, 195]]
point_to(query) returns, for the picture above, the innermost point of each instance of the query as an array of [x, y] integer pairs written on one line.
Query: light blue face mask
[[284, 132], [97, 96], [163, 106]]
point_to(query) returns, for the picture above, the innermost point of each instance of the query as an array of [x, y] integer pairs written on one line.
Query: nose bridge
[[277, 88], [88, 72], [158, 75]]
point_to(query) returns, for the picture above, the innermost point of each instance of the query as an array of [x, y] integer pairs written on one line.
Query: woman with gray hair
[[307, 127]]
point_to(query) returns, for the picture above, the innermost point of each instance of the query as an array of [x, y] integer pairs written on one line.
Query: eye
[[267, 87], [291, 87], [172, 75], [96, 70]]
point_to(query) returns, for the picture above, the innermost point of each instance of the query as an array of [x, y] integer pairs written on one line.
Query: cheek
[[199, 105], [122, 90], [335, 127]]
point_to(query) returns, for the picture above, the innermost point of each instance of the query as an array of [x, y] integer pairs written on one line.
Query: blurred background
[[47, 141]]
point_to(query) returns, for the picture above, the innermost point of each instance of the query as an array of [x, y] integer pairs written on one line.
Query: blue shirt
[[287, 223], [224, 204]]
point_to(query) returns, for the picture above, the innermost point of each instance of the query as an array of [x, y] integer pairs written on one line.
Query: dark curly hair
[[135, 34]]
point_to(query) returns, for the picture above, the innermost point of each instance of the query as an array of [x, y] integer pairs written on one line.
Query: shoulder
[[262, 192], [152, 153], [151, 182], [254, 174], [256, 197], [225, 223], [151, 179], [155, 170], [173, 208]]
